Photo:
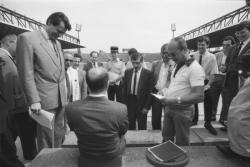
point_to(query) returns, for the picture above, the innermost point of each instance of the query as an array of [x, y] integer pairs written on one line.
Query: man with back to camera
[[208, 61], [161, 70], [93, 61], [218, 83], [186, 88], [41, 67], [99, 124], [138, 83]]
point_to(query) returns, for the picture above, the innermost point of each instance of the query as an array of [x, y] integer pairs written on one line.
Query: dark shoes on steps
[[210, 128]]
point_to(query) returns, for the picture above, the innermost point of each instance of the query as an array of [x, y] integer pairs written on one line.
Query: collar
[[246, 41], [7, 52], [138, 70], [98, 95], [189, 61]]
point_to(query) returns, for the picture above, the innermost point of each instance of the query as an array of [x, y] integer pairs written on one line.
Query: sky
[[142, 24]]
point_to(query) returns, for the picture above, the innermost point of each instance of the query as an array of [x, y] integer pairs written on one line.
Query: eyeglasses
[[165, 53], [68, 60]]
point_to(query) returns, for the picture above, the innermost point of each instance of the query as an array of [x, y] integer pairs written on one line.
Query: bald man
[[99, 124]]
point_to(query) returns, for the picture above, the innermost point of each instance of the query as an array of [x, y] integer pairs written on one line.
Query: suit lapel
[[140, 81], [158, 68], [46, 46], [247, 47], [130, 74]]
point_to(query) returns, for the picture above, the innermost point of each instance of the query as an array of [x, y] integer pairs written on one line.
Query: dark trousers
[[134, 115], [207, 104], [216, 91], [87, 162], [115, 91], [156, 113], [196, 113], [8, 157], [23, 126]]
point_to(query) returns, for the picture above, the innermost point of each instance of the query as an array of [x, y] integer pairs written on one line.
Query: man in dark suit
[[161, 70], [41, 67], [99, 124], [11, 101], [93, 61], [137, 88]]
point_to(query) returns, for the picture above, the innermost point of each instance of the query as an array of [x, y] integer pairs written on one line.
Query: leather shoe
[[223, 122], [210, 128]]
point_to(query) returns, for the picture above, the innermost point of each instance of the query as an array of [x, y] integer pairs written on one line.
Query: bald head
[[68, 59], [97, 80]]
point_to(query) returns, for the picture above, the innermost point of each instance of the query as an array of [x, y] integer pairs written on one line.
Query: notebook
[[167, 151]]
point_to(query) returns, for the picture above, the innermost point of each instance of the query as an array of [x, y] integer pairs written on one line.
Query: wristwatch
[[179, 100]]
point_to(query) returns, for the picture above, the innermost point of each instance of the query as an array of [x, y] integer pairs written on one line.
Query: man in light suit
[[161, 70], [11, 99], [137, 88], [41, 67], [100, 124], [93, 61]]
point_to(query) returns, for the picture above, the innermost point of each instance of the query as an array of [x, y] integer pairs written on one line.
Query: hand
[[223, 68], [207, 87], [35, 108], [144, 111]]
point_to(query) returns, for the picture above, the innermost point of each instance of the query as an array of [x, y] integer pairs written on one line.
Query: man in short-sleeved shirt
[[208, 61], [185, 89]]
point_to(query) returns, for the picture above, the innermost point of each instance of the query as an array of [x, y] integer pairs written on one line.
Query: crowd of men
[[101, 101]]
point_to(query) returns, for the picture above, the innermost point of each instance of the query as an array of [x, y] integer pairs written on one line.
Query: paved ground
[[149, 126]]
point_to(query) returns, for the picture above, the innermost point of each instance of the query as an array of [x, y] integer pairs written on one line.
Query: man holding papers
[[41, 67], [185, 89]]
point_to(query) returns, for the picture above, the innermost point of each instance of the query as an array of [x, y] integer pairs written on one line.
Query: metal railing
[[13, 18], [225, 21]]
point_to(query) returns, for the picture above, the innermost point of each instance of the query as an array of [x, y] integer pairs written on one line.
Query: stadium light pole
[[78, 30], [173, 28]]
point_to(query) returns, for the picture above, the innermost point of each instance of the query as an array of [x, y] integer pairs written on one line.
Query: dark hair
[[56, 18], [204, 39], [132, 51], [136, 56], [229, 38], [182, 44], [97, 80], [93, 53], [163, 46]]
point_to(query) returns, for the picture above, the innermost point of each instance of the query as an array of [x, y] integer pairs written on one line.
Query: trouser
[[25, 127], [176, 124], [135, 115], [156, 113], [196, 113], [216, 91], [44, 134], [8, 157], [207, 104], [87, 162], [115, 91], [227, 96]]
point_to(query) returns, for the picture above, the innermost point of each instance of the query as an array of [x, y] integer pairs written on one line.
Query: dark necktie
[[134, 86], [239, 48], [178, 67], [200, 60], [169, 76]]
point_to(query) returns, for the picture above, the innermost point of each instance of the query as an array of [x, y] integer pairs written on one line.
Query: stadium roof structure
[[13, 22], [217, 29]]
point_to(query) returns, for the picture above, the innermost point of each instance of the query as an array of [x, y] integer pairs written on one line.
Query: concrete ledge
[[136, 138], [200, 156]]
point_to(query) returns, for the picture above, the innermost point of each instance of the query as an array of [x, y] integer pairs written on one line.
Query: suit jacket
[[41, 70], [145, 86], [11, 94], [89, 65], [234, 63], [82, 83], [100, 126], [156, 68]]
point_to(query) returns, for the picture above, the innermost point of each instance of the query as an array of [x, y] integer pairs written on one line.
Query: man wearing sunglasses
[[41, 67]]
